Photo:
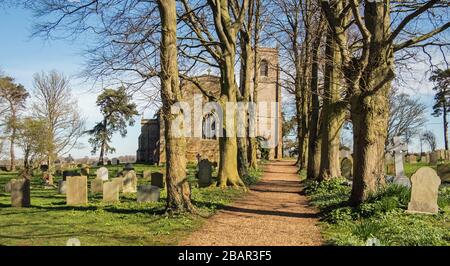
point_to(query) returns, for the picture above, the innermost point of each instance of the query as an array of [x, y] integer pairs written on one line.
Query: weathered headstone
[[204, 173], [20, 192], [411, 158], [96, 186], [157, 179], [76, 190], [425, 158], [434, 157], [130, 182], [398, 147], [347, 168], [68, 173], [443, 171], [119, 181], [102, 173], [111, 192], [115, 161], [148, 193], [62, 187], [390, 169], [424, 191]]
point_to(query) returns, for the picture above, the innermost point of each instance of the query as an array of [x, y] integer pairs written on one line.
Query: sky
[[21, 56]]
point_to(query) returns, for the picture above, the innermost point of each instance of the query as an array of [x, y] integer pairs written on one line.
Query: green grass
[[382, 216], [50, 222]]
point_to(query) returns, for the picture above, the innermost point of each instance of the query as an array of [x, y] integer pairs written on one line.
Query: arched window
[[264, 68], [209, 127]]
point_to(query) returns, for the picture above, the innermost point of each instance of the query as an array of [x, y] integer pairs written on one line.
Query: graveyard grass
[[50, 222], [383, 217]]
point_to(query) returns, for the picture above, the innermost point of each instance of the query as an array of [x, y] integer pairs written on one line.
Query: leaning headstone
[[130, 182], [347, 168], [115, 161], [111, 192], [397, 146], [62, 187], [96, 186], [76, 190], [157, 179], [424, 191], [119, 181], [204, 173], [148, 193], [102, 173], [20, 192]]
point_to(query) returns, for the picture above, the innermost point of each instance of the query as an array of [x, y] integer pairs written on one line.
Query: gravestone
[[434, 157], [102, 173], [397, 146], [62, 187], [20, 192], [130, 182], [424, 191], [108, 162], [111, 192], [204, 173], [76, 190], [115, 161], [96, 186], [411, 158], [347, 168], [425, 158], [443, 171], [68, 173], [148, 193], [128, 167], [157, 179], [8, 187], [390, 169], [146, 174], [119, 181], [84, 170]]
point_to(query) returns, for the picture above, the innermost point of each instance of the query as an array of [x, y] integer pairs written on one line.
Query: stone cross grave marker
[[424, 191], [204, 173], [20, 192], [130, 182], [111, 192], [398, 147], [102, 173], [76, 190]]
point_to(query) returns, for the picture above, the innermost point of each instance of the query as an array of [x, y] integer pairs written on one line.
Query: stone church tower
[[151, 140]]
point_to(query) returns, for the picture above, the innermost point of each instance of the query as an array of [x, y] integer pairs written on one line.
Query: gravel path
[[272, 213]]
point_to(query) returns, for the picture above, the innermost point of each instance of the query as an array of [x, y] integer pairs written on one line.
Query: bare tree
[[406, 116], [430, 139], [55, 104]]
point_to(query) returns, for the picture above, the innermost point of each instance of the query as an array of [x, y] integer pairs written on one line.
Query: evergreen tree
[[442, 98]]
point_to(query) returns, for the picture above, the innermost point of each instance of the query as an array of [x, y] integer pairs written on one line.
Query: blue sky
[[22, 56]]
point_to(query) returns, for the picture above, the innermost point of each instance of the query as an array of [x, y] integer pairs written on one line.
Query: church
[[151, 140]]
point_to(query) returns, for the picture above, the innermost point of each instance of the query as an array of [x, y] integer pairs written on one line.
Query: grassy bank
[[382, 217], [50, 222]]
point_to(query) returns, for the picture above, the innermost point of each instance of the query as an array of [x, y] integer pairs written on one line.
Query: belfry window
[[264, 68]]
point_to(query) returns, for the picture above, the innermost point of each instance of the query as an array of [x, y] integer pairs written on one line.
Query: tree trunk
[[178, 189], [333, 112], [315, 108], [228, 174], [101, 158], [12, 138], [444, 115], [370, 105]]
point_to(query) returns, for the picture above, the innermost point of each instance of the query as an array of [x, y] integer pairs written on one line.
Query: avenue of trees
[[339, 59]]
